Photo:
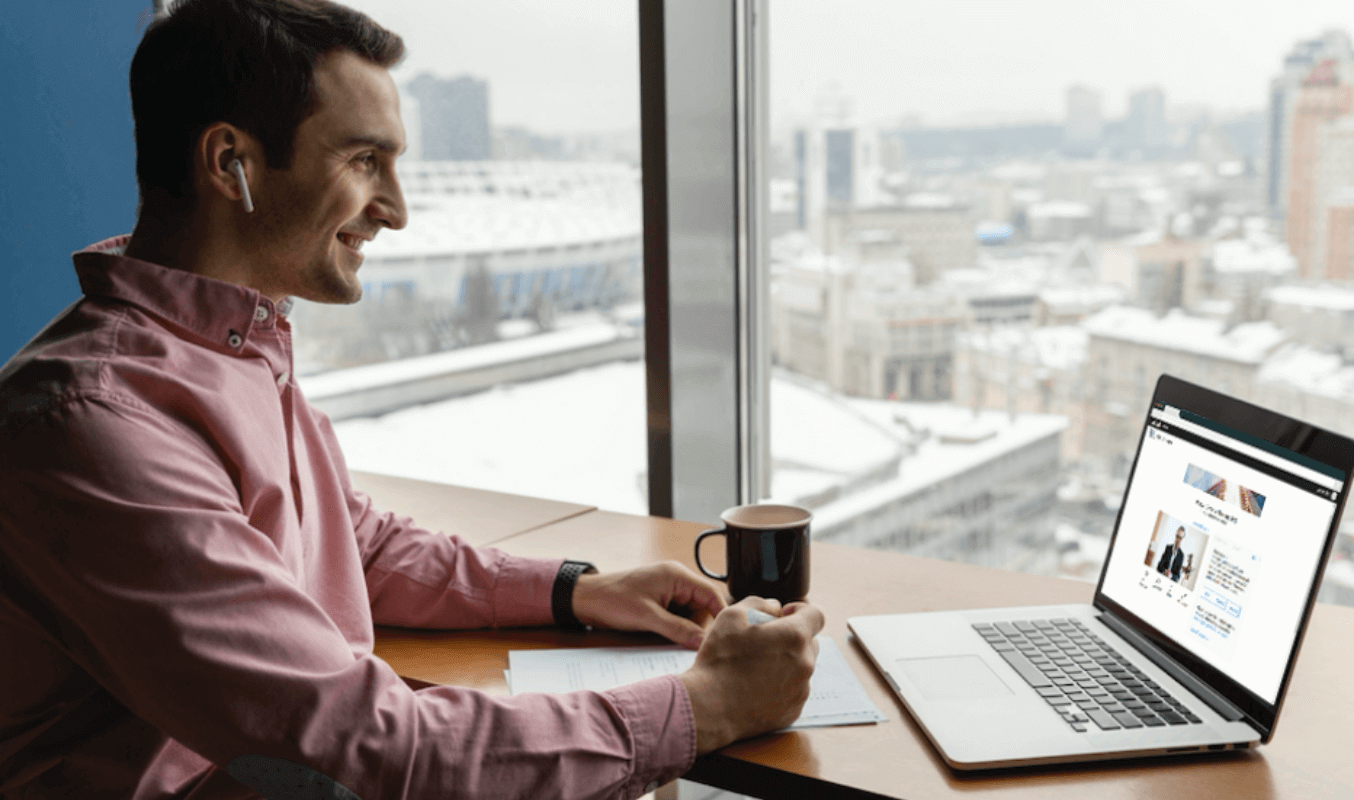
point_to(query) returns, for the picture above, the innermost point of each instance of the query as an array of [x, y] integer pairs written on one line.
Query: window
[[499, 342], [879, 242], [1068, 215]]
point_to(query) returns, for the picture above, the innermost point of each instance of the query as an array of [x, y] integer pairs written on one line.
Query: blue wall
[[67, 159]]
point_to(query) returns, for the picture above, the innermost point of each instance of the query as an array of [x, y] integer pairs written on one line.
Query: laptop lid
[[1228, 517]]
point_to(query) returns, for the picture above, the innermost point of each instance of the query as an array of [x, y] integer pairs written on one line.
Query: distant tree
[[479, 316]]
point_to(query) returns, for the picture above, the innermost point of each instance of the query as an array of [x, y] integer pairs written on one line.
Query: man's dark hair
[[250, 63]]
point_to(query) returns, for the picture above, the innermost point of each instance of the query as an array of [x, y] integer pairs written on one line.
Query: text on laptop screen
[[1219, 542]]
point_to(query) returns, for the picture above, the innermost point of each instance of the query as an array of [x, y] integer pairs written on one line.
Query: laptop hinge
[[1217, 702]]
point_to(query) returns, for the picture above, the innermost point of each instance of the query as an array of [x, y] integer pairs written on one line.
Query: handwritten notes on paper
[[835, 694]]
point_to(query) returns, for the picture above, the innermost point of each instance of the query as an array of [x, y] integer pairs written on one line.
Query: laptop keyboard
[[1082, 677]]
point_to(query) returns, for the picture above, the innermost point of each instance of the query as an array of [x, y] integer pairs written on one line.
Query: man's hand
[[645, 599], [751, 679]]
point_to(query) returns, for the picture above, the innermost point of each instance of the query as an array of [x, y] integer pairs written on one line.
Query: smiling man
[[314, 204], [188, 580]]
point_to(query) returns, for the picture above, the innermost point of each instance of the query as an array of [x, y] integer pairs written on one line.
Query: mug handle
[[699, 565]]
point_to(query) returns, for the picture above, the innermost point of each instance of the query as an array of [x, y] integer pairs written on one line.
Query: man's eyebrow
[[379, 142]]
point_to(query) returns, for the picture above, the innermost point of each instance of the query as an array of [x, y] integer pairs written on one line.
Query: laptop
[[1228, 517]]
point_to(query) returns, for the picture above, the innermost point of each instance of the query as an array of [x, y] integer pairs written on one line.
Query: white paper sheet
[[835, 695]]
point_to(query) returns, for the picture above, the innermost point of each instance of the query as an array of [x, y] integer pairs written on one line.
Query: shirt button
[[235, 339], [282, 377], [261, 313]]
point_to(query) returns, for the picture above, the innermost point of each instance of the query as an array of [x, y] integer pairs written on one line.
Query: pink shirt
[[188, 583]]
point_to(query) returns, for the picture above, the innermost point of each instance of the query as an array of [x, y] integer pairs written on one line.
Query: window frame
[[704, 135]]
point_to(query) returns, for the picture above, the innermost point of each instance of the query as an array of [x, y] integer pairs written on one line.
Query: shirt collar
[[223, 314]]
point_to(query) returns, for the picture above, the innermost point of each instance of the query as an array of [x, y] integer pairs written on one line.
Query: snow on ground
[[581, 438], [819, 441], [578, 437], [1250, 342], [940, 453], [516, 345]]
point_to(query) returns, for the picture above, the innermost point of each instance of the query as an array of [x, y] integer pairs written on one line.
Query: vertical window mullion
[[699, 240]]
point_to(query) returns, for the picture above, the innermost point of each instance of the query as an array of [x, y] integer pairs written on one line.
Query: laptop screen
[[1219, 541]]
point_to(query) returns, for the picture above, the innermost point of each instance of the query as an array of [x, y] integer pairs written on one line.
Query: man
[[1172, 558], [188, 581]]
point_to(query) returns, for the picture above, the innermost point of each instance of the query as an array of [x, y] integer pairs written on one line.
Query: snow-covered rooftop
[[481, 224], [1310, 371], [1247, 343], [578, 437], [475, 207], [1056, 347], [1249, 255], [935, 461], [814, 261], [819, 440], [928, 200], [985, 283], [1074, 298], [1061, 209], [581, 437], [389, 373], [1330, 298], [795, 249], [1142, 238], [1018, 171]]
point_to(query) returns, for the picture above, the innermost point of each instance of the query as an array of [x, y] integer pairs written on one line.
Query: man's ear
[[220, 145]]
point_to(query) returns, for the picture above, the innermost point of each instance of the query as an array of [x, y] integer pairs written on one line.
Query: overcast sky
[[572, 65], [553, 65]]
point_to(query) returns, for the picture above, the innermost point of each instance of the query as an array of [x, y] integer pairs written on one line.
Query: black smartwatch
[[562, 594]]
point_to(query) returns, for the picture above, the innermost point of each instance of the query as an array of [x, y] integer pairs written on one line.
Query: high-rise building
[[1339, 238], [453, 117], [1084, 124], [837, 169], [862, 328], [802, 178], [1145, 126], [1334, 192], [1283, 92], [840, 150], [934, 231], [1129, 347], [1325, 95]]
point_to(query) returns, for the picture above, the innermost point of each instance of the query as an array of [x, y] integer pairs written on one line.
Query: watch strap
[[562, 594]]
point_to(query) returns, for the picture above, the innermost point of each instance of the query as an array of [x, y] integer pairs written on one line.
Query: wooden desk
[[1307, 759], [477, 515]]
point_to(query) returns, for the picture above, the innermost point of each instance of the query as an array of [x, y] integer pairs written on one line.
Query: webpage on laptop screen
[[1218, 543]]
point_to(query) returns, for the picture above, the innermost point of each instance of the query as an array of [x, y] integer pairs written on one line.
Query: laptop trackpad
[[953, 678]]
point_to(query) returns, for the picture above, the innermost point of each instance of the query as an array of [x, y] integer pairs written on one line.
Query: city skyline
[[1041, 272], [574, 68], [1200, 52]]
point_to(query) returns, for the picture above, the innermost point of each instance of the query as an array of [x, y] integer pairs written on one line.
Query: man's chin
[[333, 289]]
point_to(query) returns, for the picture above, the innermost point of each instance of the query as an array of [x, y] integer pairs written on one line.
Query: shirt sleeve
[[129, 528], [421, 579]]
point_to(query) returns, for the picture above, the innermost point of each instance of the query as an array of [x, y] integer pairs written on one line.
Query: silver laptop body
[[1228, 516]]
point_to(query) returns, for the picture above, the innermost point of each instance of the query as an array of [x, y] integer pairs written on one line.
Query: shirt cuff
[[658, 714], [522, 593]]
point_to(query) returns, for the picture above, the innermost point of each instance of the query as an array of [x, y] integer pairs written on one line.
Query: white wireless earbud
[[237, 169]]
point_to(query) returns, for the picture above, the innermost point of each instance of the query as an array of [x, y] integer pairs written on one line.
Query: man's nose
[[388, 207]]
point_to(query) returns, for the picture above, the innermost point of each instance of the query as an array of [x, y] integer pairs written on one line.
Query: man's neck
[[180, 243], [158, 243]]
